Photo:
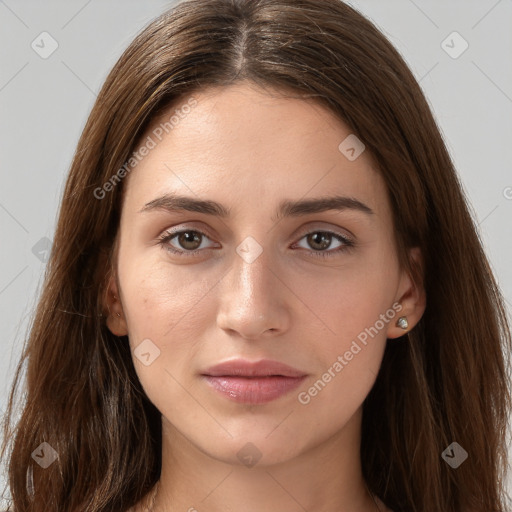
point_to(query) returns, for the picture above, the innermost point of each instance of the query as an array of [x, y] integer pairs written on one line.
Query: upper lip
[[245, 368]]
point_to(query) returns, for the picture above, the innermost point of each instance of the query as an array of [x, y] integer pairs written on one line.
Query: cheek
[[353, 298], [171, 306], [356, 304], [350, 358], [172, 309]]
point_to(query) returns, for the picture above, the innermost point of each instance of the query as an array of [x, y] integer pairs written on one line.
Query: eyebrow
[[287, 208]]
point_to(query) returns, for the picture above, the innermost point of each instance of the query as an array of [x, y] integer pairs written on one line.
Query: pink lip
[[253, 382]]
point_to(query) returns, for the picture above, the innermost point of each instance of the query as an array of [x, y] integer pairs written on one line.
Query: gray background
[[44, 104]]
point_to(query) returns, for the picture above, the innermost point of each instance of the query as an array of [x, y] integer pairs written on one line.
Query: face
[[317, 288]]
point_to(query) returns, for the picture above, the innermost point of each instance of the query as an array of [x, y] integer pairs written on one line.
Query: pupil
[[189, 237], [322, 236]]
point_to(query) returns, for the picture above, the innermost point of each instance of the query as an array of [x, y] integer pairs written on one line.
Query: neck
[[321, 478]]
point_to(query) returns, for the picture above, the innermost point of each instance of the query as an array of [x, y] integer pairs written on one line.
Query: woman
[[266, 291]]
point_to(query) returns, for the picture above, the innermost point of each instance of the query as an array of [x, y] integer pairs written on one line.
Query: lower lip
[[254, 390]]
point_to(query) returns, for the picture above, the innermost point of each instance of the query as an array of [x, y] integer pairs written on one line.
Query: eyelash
[[167, 236]]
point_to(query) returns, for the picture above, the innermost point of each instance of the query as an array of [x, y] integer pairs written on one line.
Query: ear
[[411, 297], [113, 309]]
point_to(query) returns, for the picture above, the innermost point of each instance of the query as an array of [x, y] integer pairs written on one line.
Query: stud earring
[[402, 322], [118, 314]]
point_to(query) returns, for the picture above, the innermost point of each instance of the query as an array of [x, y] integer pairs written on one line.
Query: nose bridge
[[251, 303], [251, 274]]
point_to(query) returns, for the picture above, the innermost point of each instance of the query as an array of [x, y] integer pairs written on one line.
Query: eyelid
[[314, 227], [179, 228], [165, 238], [348, 243]]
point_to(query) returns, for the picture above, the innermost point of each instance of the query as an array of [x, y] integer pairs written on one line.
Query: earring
[[118, 314], [402, 322]]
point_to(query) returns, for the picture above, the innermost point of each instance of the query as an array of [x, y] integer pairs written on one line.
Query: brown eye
[[186, 242], [319, 240], [190, 240]]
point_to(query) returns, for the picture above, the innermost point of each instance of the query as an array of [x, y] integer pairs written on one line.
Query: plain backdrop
[[460, 51]]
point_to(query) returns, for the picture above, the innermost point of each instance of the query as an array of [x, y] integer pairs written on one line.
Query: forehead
[[255, 144]]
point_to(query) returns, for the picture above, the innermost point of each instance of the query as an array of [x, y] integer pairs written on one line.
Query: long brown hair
[[445, 381]]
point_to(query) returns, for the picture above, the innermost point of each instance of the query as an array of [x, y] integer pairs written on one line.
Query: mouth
[[253, 390], [253, 382]]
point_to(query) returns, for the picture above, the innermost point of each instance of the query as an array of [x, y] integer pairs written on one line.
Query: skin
[[249, 149]]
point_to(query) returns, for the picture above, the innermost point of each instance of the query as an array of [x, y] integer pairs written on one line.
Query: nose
[[253, 299]]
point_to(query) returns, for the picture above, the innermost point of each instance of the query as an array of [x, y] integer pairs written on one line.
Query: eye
[[188, 241], [320, 240]]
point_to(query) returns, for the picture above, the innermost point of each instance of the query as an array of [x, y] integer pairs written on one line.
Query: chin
[[250, 450]]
